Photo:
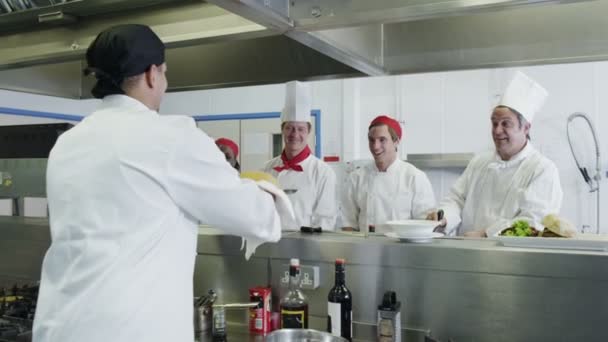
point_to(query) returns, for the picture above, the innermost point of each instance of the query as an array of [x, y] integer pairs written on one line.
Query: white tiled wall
[[442, 112]]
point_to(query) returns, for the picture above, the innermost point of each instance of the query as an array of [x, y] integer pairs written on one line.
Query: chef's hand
[[434, 216], [476, 233]]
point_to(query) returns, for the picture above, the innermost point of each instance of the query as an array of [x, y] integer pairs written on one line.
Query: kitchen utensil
[[311, 230], [235, 305], [302, 335], [202, 319], [203, 312]]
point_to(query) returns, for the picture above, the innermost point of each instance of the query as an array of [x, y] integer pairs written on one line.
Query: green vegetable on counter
[[519, 228]]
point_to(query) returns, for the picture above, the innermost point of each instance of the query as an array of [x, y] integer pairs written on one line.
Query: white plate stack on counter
[[418, 231]]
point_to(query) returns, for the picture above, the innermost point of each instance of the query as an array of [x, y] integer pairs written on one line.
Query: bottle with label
[[219, 325], [294, 305], [389, 318], [340, 306]]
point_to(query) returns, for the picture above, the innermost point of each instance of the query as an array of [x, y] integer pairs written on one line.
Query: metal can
[[260, 315]]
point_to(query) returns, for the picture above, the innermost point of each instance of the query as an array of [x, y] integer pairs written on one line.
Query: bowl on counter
[[412, 228], [302, 335]]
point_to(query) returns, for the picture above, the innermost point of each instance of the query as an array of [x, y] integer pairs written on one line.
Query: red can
[[259, 316]]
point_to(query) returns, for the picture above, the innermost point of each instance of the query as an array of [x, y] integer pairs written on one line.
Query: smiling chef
[[387, 189], [309, 181], [513, 182]]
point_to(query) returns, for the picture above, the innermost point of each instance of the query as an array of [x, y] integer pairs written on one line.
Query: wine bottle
[[340, 305]]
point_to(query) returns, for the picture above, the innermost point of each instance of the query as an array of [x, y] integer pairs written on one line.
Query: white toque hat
[[298, 102], [524, 95]]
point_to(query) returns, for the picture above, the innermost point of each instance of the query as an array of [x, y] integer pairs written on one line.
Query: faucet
[[593, 182]]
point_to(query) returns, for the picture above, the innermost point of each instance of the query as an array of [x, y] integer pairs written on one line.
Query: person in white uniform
[[126, 188], [514, 182], [309, 182], [387, 189]]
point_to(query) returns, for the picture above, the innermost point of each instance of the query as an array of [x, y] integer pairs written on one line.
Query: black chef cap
[[120, 52]]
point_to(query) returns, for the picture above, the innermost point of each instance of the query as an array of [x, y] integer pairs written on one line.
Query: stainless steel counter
[[459, 289], [464, 290]]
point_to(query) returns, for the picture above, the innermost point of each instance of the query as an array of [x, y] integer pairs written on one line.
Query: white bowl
[[412, 228]]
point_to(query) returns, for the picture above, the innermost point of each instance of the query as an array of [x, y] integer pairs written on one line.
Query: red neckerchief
[[294, 163]]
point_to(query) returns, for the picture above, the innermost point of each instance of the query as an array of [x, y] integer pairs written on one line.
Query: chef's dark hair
[[119, 53]]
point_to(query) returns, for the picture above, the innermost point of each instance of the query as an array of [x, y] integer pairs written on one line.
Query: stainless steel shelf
[[440, 160]]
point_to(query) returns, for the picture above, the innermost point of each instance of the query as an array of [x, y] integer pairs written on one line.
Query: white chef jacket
[[492, 193], [314, 200], [372, 197], [125, 189]]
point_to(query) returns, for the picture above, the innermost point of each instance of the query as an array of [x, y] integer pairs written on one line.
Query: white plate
[[412, 223], [411, 228], [588, 242], [424, 239]]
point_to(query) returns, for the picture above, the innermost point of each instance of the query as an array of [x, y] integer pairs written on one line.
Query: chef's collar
[[120, 52], [525, 152], [123, 102], [391, 168]]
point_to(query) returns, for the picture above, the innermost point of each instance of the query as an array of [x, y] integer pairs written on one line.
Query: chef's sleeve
[[205, 186], [453, 203]]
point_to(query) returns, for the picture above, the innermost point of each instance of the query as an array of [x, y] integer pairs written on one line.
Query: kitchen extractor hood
[[223, 43], [208, 47], [408, 36]]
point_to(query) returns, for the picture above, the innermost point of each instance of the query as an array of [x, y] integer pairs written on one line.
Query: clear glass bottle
[[294, 305], [340, 305]]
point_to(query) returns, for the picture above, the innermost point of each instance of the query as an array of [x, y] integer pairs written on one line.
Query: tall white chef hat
[[298, 102], [524, 95]]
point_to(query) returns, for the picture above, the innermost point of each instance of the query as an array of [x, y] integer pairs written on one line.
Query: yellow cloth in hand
[[259, 175]]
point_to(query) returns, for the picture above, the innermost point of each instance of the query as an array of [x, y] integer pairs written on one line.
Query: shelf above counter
[[440, 160]]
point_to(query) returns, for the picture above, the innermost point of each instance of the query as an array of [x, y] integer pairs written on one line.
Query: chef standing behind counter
[[387, 189], [231, 150], [126, 188], [308, 181], [514, 182]]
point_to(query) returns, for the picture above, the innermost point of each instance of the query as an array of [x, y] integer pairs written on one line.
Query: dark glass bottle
[[294, 305], [340, 306]]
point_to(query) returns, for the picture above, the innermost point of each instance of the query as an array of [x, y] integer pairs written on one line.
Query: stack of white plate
[[412, 230]]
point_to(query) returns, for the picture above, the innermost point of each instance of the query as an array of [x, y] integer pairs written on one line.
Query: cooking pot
[[302, 335]]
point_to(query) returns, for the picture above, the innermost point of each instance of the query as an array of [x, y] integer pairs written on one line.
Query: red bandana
[[294, 163]]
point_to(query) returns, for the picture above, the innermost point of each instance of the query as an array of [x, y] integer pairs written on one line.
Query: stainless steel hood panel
[[243, 42], [179, 25], [208, 47], [78, 9], [264, 60], [216, 65], [539, 35], [314, 15], [432, 35], [59, 79]]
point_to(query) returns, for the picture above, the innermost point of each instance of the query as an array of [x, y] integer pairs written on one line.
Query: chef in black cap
[[125, 196], [125, 59]]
